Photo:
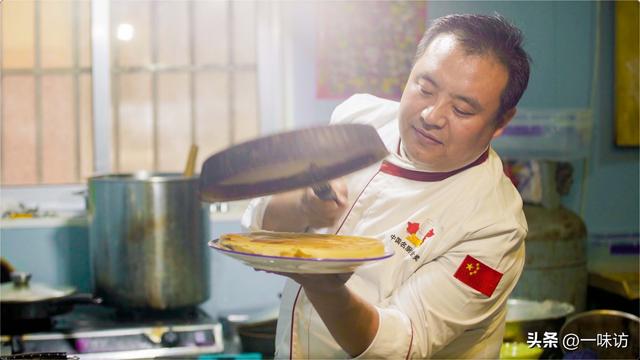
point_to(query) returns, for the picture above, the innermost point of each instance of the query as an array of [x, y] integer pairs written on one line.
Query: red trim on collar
[[395, 170]]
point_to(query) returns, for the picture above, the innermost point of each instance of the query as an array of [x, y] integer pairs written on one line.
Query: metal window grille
[[37, 73], [153, 69]]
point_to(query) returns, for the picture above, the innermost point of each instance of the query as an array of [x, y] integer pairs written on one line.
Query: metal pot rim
[[557, 310], [605, 312], [143, 177]]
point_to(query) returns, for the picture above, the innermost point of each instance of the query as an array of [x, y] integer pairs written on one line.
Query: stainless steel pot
[[252, 329], [617, 335], [527, 316], [148, 240]]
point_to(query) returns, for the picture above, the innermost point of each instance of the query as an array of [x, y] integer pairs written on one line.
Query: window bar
[[75, 43], [231, 73], [48, 71], [256, 89], [192, 71], [103, 102], [115, 89], [154, 82], [163, 68], [38, 91], [2, 121], [257, 104]]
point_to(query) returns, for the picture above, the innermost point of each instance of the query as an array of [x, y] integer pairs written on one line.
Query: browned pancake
[[303, 245]]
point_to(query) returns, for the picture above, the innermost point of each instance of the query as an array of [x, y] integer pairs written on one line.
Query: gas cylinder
[[556, 257]]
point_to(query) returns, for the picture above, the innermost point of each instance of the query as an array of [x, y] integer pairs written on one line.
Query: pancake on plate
[[301, 245]]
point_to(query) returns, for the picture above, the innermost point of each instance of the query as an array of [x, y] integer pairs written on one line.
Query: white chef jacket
[[425, 310]]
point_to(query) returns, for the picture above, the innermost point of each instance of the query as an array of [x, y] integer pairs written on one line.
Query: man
[[440, 200]]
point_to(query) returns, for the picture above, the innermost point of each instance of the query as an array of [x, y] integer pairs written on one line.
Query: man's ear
[[506, 118]]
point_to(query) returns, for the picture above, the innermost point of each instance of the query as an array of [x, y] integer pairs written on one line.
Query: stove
[[99, 332]]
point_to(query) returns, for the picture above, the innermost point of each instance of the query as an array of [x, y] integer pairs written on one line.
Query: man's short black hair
[[484, 34]]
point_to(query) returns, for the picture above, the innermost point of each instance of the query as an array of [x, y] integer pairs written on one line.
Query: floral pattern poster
[[367, 47]]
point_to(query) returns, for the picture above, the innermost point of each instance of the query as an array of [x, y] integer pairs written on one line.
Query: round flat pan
[[289, 160]]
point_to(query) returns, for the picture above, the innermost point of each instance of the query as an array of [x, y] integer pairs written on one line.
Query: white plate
[[298, 265]]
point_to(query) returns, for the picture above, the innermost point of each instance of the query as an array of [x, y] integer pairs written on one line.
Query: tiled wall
[[54, 256]]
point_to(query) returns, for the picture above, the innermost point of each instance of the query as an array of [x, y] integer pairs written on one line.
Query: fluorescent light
[[125, 32]]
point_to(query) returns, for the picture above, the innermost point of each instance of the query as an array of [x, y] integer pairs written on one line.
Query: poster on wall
[[627, 116], [366, 47]]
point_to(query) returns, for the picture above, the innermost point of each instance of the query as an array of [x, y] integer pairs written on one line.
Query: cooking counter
[[59, 256]]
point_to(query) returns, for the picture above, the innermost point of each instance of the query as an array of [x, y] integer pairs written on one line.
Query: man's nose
[[434, 116]]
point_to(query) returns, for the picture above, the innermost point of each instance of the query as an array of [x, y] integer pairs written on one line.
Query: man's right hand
[[295, 211], [324, 213]]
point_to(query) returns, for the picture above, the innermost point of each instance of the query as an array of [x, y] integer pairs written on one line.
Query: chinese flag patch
[[478, 275]]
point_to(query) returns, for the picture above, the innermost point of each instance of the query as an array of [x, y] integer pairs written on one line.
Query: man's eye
[[423, 91], [461, 113]]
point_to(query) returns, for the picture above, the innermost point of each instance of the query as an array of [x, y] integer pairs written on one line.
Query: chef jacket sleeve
[[432, 307], [365, 109], [254, 213]]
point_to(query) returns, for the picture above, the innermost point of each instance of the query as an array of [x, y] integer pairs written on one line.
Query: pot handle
[[85, 194], [78, 299]]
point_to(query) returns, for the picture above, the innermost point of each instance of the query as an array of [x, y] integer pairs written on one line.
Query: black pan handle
[[39, 355], [325, 192], [78, 299]]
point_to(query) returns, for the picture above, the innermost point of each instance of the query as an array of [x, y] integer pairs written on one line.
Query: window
[[46, 92], [181, 73]]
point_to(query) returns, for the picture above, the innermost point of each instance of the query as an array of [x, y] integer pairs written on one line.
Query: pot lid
[[21, 290], [289, 160]]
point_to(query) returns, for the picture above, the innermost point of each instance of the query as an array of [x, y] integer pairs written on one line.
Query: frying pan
[[290, 160], [25, 303]]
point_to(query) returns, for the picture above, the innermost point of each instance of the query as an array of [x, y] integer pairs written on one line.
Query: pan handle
[[325, 192], [80, 298], [39, 355]]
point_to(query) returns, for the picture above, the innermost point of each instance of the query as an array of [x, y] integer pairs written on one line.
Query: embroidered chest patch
[[418, 234], [414, 235]]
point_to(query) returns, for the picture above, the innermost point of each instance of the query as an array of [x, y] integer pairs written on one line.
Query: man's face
[[449, 105]]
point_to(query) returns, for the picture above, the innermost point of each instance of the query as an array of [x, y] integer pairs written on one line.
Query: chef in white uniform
[[440, 200]]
